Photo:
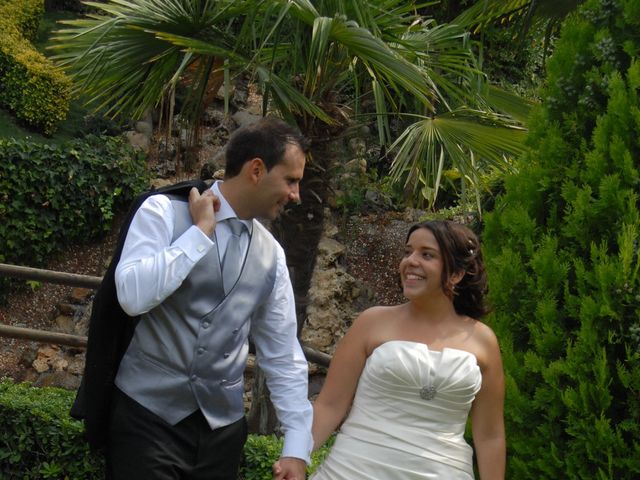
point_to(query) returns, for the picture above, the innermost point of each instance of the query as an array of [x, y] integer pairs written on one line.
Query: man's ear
[[255, 169]]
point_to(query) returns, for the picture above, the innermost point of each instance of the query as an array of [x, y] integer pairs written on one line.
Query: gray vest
[[190, 351]]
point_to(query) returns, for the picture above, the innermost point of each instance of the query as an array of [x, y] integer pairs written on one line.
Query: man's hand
[[202, 209], [289, 468]]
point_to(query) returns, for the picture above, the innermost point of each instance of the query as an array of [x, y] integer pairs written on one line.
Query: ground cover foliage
[[562, 253]]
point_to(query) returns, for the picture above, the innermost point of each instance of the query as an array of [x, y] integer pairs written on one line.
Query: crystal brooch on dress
[[428, 392]]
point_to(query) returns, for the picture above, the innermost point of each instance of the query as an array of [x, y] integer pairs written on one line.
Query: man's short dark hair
[[266, 139]]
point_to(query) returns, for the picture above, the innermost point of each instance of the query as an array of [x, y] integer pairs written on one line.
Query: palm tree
[[304, 55]]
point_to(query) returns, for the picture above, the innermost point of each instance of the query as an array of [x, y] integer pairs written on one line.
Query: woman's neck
[[434, 309]]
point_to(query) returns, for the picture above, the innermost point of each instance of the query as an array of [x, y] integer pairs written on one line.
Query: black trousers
[[143, 446]]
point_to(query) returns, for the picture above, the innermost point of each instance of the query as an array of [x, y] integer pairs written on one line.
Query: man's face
[[281, 184]]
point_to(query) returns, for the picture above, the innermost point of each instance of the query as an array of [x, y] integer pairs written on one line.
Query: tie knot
[[235, 226]]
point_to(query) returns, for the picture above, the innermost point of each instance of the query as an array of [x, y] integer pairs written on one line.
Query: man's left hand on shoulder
[[289, 468]]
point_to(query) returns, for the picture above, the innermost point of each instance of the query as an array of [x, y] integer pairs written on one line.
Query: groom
[[202, 275]]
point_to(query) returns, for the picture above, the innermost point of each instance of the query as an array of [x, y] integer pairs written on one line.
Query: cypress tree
[[563, 258]]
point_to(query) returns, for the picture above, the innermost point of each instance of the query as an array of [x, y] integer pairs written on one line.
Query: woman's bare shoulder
[[377, 324], [378, 313], [485, 343]]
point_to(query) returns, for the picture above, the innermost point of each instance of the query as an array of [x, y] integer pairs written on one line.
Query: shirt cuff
[[194, 243], [298, 445]]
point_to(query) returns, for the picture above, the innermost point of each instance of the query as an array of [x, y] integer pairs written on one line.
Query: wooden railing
[[85, 281]]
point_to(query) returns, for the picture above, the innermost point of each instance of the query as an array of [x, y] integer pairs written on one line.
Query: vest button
[[222, 382], [200, 350], [226, 355], [194, 378], [205, 324], [236, 330]]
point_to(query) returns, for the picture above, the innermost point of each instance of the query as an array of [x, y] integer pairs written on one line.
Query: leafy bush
[[261, 451], [55, 195], [563, 260], [34, 89], [38, 439], [24, 16]]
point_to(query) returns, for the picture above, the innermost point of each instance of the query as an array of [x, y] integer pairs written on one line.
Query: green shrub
[[563, 260], [53, 196], [38, 438], [25, 15], [33, 89], [260, 452]]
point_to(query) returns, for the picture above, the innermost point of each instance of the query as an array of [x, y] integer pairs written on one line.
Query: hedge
[[36, 91], [38, 439], [54, 196]]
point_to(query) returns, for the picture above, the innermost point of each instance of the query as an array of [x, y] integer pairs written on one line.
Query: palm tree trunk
[[299, 231]]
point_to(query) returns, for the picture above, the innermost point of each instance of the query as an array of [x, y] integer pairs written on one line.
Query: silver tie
[[233, 255]]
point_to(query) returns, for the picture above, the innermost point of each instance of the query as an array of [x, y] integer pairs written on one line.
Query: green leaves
[[261, 451], [461, 137], [38, 438], [563, 261], [53, 196], [304, 55]]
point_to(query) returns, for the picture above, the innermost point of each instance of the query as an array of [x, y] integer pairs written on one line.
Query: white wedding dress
[[408, 417]]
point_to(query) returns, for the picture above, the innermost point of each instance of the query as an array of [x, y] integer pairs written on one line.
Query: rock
[[80, 295], [144, 127], [48, 351], [40, 364], [213, 117], [330, 251], [138, 141], [358, 146], [211, 168], [243, 118], [76, 365], [64, 324], [58, 379], [376, 201], [229, 90], [240, 97], [59, 364], [68, 309], [28, 357]]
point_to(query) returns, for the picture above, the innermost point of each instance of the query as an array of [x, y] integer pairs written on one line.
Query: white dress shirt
[[151, 268]]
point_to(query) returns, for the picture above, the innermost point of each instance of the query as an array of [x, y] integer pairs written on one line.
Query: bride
[[408, 376]]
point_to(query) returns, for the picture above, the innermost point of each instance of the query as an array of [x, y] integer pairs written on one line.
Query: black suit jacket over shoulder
[[110, 332]]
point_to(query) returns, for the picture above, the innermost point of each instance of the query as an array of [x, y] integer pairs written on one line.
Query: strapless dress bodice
[[408, 416]]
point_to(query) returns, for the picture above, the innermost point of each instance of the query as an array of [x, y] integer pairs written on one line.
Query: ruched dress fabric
[[408, 417]]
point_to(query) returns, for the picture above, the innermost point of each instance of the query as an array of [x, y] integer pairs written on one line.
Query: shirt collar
[[226, 211]]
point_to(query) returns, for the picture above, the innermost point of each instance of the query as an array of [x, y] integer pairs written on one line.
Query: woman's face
[[421, 266]]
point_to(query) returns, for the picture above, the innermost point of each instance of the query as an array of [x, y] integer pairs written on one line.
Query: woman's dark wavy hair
[[460, 250]]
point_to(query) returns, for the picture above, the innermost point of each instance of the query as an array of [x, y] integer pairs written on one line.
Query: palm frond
[[461, 138], [504, 101]]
